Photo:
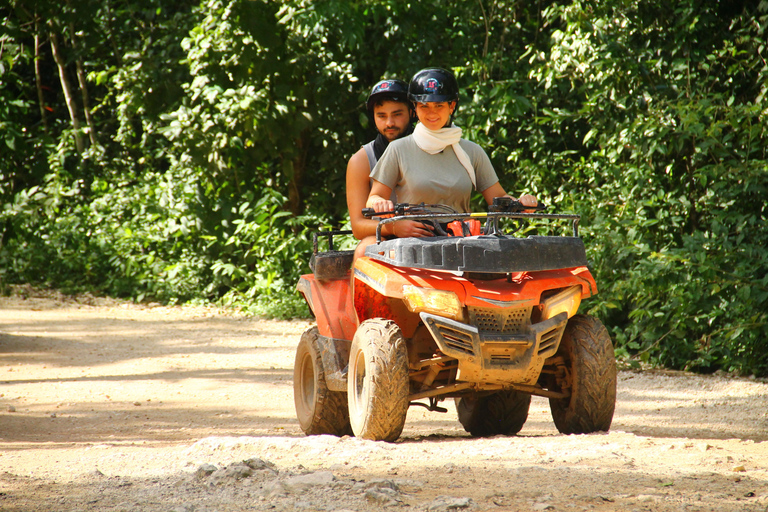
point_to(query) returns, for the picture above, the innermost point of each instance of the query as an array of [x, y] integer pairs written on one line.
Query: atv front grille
[[457, 339], [496, 320], [550, 340], [486, 355]]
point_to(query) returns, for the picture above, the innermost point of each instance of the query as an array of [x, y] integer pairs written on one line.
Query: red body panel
[[332, 305], [389, 281], [379, 291]]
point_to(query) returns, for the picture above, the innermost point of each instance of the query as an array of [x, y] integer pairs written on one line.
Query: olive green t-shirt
[[417, 176]]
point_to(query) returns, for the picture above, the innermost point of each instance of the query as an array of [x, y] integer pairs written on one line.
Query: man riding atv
[[392, 114], [434, 164]]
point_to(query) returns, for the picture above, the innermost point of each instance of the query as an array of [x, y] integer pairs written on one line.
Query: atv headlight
[[567, 300], [438, 302]]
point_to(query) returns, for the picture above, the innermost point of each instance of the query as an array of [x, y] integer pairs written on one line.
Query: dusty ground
[[106, 406]]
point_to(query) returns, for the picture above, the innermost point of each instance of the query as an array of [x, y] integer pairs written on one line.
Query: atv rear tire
[[588, 353], [377, 384], [502, 413], [319, 410]]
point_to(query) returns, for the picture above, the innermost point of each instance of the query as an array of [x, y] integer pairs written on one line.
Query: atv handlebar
[[509, 208], [500, 205]]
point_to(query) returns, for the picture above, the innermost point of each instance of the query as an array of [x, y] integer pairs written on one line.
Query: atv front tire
[[377, 385], [319, 410], [589, 359], [502, 413]]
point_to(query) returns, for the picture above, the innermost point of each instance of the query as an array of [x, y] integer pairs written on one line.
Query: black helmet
[[387, 90], [433, 85]]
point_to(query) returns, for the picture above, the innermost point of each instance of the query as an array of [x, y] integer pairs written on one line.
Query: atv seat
[[331, 264]]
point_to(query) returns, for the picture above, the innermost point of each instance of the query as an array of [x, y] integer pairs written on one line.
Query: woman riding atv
[[434, 164]]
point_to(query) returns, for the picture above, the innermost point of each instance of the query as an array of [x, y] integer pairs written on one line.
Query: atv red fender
[[332, 305]]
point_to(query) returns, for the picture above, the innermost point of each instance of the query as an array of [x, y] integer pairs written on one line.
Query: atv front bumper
[[497, 358]]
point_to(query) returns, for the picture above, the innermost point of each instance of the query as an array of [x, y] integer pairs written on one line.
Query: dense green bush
[[220, 131]]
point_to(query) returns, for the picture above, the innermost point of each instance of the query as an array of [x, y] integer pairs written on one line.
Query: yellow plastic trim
[[567, 300], [438, 302]]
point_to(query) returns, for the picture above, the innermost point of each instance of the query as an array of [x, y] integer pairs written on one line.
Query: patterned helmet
[[433, 85], [392, 90]]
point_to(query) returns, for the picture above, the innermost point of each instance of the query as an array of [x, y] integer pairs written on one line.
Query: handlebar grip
[[368, 212]]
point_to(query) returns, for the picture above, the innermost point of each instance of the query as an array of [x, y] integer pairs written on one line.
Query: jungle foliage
[[183, 151]]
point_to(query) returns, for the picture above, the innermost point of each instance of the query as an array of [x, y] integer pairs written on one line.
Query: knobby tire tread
[[387, 400], [502, 413], [330, 414], [593, 368]]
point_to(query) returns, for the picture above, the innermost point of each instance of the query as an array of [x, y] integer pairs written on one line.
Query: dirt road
[[107, 406]]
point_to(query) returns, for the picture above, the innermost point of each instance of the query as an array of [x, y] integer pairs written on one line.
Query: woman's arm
[[376, 199], [495, 190], [401, 228]]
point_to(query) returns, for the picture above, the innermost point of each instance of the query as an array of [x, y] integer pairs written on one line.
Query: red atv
[[474, 313]]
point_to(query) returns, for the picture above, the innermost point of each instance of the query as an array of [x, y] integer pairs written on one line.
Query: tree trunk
[[83, 85], [68, 98], [38, 78], [86, 102], [295, 199]]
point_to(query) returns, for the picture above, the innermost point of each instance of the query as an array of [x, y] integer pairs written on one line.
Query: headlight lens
[[567, 300], [438, 302]]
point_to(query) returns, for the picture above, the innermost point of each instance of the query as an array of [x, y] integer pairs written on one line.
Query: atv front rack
[[492, 218], [490, 253], [482, 254]]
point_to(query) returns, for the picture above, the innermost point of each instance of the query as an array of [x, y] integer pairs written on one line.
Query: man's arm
[[358, 188]]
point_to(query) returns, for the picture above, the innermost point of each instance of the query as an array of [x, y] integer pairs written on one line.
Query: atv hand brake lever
[[399, 211], [509, 205]]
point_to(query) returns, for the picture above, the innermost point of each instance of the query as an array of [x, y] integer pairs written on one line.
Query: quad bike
[[473, 313]]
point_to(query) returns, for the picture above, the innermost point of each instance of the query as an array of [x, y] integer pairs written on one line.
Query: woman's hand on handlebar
[[528, 200], [401, 228], [411, 228]]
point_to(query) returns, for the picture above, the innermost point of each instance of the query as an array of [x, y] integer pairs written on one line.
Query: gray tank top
[[371, 155]]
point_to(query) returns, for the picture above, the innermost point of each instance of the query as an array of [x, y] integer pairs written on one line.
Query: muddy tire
[[589, 358], [502, 413], [319, 410], [377, 384]]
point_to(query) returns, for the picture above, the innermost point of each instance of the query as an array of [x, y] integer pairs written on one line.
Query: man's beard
[[380, 143]]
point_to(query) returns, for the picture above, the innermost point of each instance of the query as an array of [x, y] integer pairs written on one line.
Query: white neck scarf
[[435, 141]]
